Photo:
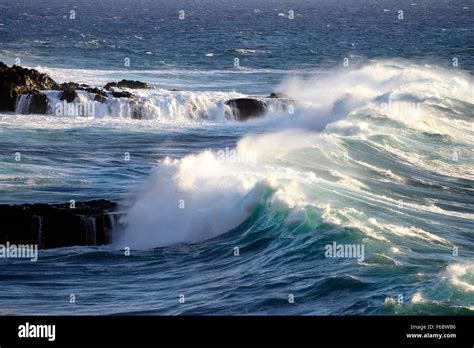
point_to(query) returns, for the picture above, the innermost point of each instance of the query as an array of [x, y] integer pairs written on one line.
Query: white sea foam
[[461, 276], [159, 105]]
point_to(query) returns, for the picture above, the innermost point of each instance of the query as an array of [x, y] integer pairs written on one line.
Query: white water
[[22, 104], [159, 105], [311, 167], [150, 104]]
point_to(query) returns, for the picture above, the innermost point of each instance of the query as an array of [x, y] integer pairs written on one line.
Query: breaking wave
[[361, 150]]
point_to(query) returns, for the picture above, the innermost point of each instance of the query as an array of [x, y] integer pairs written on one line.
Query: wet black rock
[[100, 98], [126, 84], [246, 108], [16, 80], [110, 85], [122, 94], [73, 85], [59, 225], [96, 90], [99, 94], [68, 94], [32, 103]]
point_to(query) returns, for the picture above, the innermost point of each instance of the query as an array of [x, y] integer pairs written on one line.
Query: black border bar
[[191, 330]]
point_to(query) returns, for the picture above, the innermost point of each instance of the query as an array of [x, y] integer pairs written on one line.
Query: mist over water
[[377, 154]]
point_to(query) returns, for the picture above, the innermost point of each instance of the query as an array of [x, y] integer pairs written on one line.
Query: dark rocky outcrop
[[122, 94], [32, 103], [68, 94], [110, 85], [58, 225], [126, 84], [69, 91], [246, 108], [96, 90], [99, 94], [16, 80], [100, 98], [27, 83], [74, 85]]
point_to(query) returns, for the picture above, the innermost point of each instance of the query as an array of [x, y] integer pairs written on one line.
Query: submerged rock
[[137, 110], [58, 225], [284, 102], [246, 108], [16, 80], [278, 95]]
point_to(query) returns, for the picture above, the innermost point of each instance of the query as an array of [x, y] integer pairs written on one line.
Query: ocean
[[222, 217]]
